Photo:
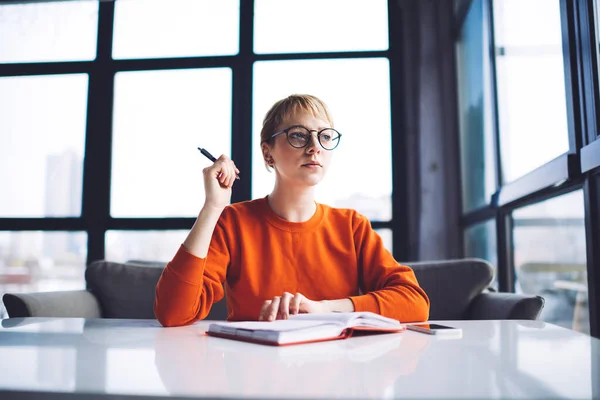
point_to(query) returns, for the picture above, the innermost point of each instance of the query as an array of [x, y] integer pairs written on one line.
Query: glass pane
[[475, 110], [175, 28], [41, 262], [550, 258], [122, 246], [52, 31], [531, 84], [160, 119], [365, 126], [42, 131], [480, 242], [387, 237], [300, 26]]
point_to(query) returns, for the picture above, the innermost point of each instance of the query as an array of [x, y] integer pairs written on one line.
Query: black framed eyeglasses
[[299, 136]]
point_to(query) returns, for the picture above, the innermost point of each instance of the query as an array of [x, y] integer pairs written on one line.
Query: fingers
[[224, 170], [295, 303], [263, 310], [281, 307], [232, 174], [268, 311], [272, 310], [284, 305]]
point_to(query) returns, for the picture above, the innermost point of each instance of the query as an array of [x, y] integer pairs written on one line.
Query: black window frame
[[577, 169], [95, 217]]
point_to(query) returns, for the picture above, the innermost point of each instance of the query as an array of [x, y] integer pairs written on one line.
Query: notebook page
[[277, 325], [364, 318]]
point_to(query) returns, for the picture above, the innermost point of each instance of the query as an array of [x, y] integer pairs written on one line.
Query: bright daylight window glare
[[293, 26], [37, 261], [387, 235], [357, 92], [42, 131], [175, 28], [54, 31], [122, 246], [550, 258], [531, 84], [160, 119]]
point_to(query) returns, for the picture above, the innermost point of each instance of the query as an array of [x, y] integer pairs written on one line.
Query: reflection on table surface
[[493, 359]]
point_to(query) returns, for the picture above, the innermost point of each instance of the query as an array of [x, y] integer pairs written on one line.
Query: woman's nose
[[313, 145]]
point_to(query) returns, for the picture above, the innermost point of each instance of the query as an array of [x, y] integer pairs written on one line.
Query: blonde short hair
[[289, 106]]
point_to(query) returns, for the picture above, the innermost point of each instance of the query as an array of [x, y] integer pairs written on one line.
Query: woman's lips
[[311, 166]]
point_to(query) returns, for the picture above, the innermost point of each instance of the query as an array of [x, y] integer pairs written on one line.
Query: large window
[[53, 31], [344, 84], [42, 131], [160, 119], [536, 61], [37, 261], [150, 246], [550, 258], [291, 26], [530, 77], [151, 29], [365, 127], [103, 105]]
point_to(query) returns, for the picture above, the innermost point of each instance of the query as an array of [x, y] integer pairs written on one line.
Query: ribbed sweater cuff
[[187, 266], [365, 302]]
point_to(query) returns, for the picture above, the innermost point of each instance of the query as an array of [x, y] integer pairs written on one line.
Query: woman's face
[[305, 166]]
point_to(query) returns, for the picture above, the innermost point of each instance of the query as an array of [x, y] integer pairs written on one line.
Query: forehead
[[306, 117]]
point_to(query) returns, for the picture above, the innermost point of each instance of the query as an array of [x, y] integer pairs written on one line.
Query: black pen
[[212, 158]]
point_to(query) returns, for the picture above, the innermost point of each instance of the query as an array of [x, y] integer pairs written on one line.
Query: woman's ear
[[267, 154]]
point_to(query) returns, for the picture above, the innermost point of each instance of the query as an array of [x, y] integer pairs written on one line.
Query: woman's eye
[[326, 138]]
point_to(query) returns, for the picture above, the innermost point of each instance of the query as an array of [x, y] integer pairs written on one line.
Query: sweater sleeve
[[189, 285], [390, 289]]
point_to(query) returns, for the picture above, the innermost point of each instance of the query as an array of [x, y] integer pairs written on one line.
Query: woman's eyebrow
[[319, 128]]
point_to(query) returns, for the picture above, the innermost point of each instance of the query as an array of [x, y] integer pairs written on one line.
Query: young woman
[[285, 254]]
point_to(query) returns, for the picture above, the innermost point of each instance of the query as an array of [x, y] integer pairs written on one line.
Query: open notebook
[[305, 328]]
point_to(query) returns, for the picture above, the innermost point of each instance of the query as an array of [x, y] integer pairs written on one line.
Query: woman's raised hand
[[281, 307], [218, 181]]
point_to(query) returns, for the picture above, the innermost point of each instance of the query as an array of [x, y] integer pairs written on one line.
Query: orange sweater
[[258, 255]]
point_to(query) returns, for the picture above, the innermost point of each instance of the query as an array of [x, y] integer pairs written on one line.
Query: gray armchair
[[114, 290], [457, 290]]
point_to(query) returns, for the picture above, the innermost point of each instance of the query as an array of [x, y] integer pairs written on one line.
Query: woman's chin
[[312, 180], [307, 180]]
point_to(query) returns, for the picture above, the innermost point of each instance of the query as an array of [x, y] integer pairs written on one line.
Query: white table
[[493, 359]]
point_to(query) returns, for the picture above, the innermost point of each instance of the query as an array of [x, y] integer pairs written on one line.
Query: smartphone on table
[[435, 329]]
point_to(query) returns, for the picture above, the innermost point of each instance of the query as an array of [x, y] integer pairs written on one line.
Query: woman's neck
[[293, 204]]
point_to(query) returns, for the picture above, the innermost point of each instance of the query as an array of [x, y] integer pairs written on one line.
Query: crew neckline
[[290, 226]]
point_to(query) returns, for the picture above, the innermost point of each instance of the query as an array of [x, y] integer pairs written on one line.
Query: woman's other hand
[[218, 181], [281, 307]]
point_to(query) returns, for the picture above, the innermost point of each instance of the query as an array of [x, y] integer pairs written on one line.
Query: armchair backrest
[[452, 285], [127, 290], [123, 290]]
